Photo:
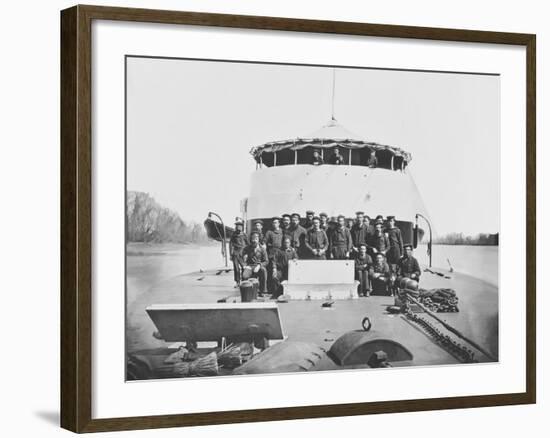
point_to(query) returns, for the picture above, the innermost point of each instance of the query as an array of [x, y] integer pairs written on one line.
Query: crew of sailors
[[337, 158], [381, 258]]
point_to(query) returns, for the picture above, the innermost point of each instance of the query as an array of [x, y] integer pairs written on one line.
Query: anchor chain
[[455, 348]]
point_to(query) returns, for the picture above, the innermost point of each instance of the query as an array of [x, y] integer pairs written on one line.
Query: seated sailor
[[340, 240], [274, 237], [317, 158], [237, 244], [279, 266], [380, 275], [408, 266], [316, 241], [363, 265], [255, 262]]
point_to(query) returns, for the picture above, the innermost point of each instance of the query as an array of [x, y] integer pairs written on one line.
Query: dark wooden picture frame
[[76, 217]]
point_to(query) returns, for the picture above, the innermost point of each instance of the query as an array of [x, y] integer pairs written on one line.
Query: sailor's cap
[[295, 215], [239, 223], [310, 212], [323, 214], [359, 212], [259, 222], [275, 218], [341, 216], [390, 218], [286, 215]]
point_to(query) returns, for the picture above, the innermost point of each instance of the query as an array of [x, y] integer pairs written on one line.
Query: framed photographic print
[[303, 218]]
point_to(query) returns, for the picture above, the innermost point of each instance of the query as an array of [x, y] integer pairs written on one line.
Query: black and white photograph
[[287, 218]]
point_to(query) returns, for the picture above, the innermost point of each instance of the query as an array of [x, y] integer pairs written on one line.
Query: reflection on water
[[147, 264], [477, 261]]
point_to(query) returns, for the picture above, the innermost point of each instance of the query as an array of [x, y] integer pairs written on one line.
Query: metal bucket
[[249, 290]]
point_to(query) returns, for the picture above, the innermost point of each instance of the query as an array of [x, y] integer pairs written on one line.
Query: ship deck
[[307, 320]]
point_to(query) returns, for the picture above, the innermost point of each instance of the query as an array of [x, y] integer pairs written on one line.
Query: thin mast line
[[333, 92]]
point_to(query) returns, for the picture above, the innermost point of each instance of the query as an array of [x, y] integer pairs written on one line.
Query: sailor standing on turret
[[297, 234], [324, 221], [274, 238], [395, 250], [309, 219], [380, 242], [237, 244], [340, 240], [316, 241], [359, 231], [258, 227], [255, 260], [286, 224]]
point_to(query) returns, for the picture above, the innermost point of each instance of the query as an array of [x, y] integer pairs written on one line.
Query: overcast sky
[[191, 125]]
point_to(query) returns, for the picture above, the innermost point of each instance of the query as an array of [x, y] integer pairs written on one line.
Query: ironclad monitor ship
[[322, 324]]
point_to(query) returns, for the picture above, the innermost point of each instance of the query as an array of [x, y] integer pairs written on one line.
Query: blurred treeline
[[147, 221], [461, 239]]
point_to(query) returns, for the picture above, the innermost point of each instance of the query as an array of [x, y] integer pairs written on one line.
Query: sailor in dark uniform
[[372, 161], [297, 234], [258, 227], [316, 241], [340, 240], [237, 244], [274, 237], [337, 157], [408, 266], [285, 226], [255, 262], [279, 266], [380, 275], [324, 221], [317, 159], [331, 226], [363, 265], [359, 231], [309, 219], [396, 244], [379, 242], [370, 229]]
